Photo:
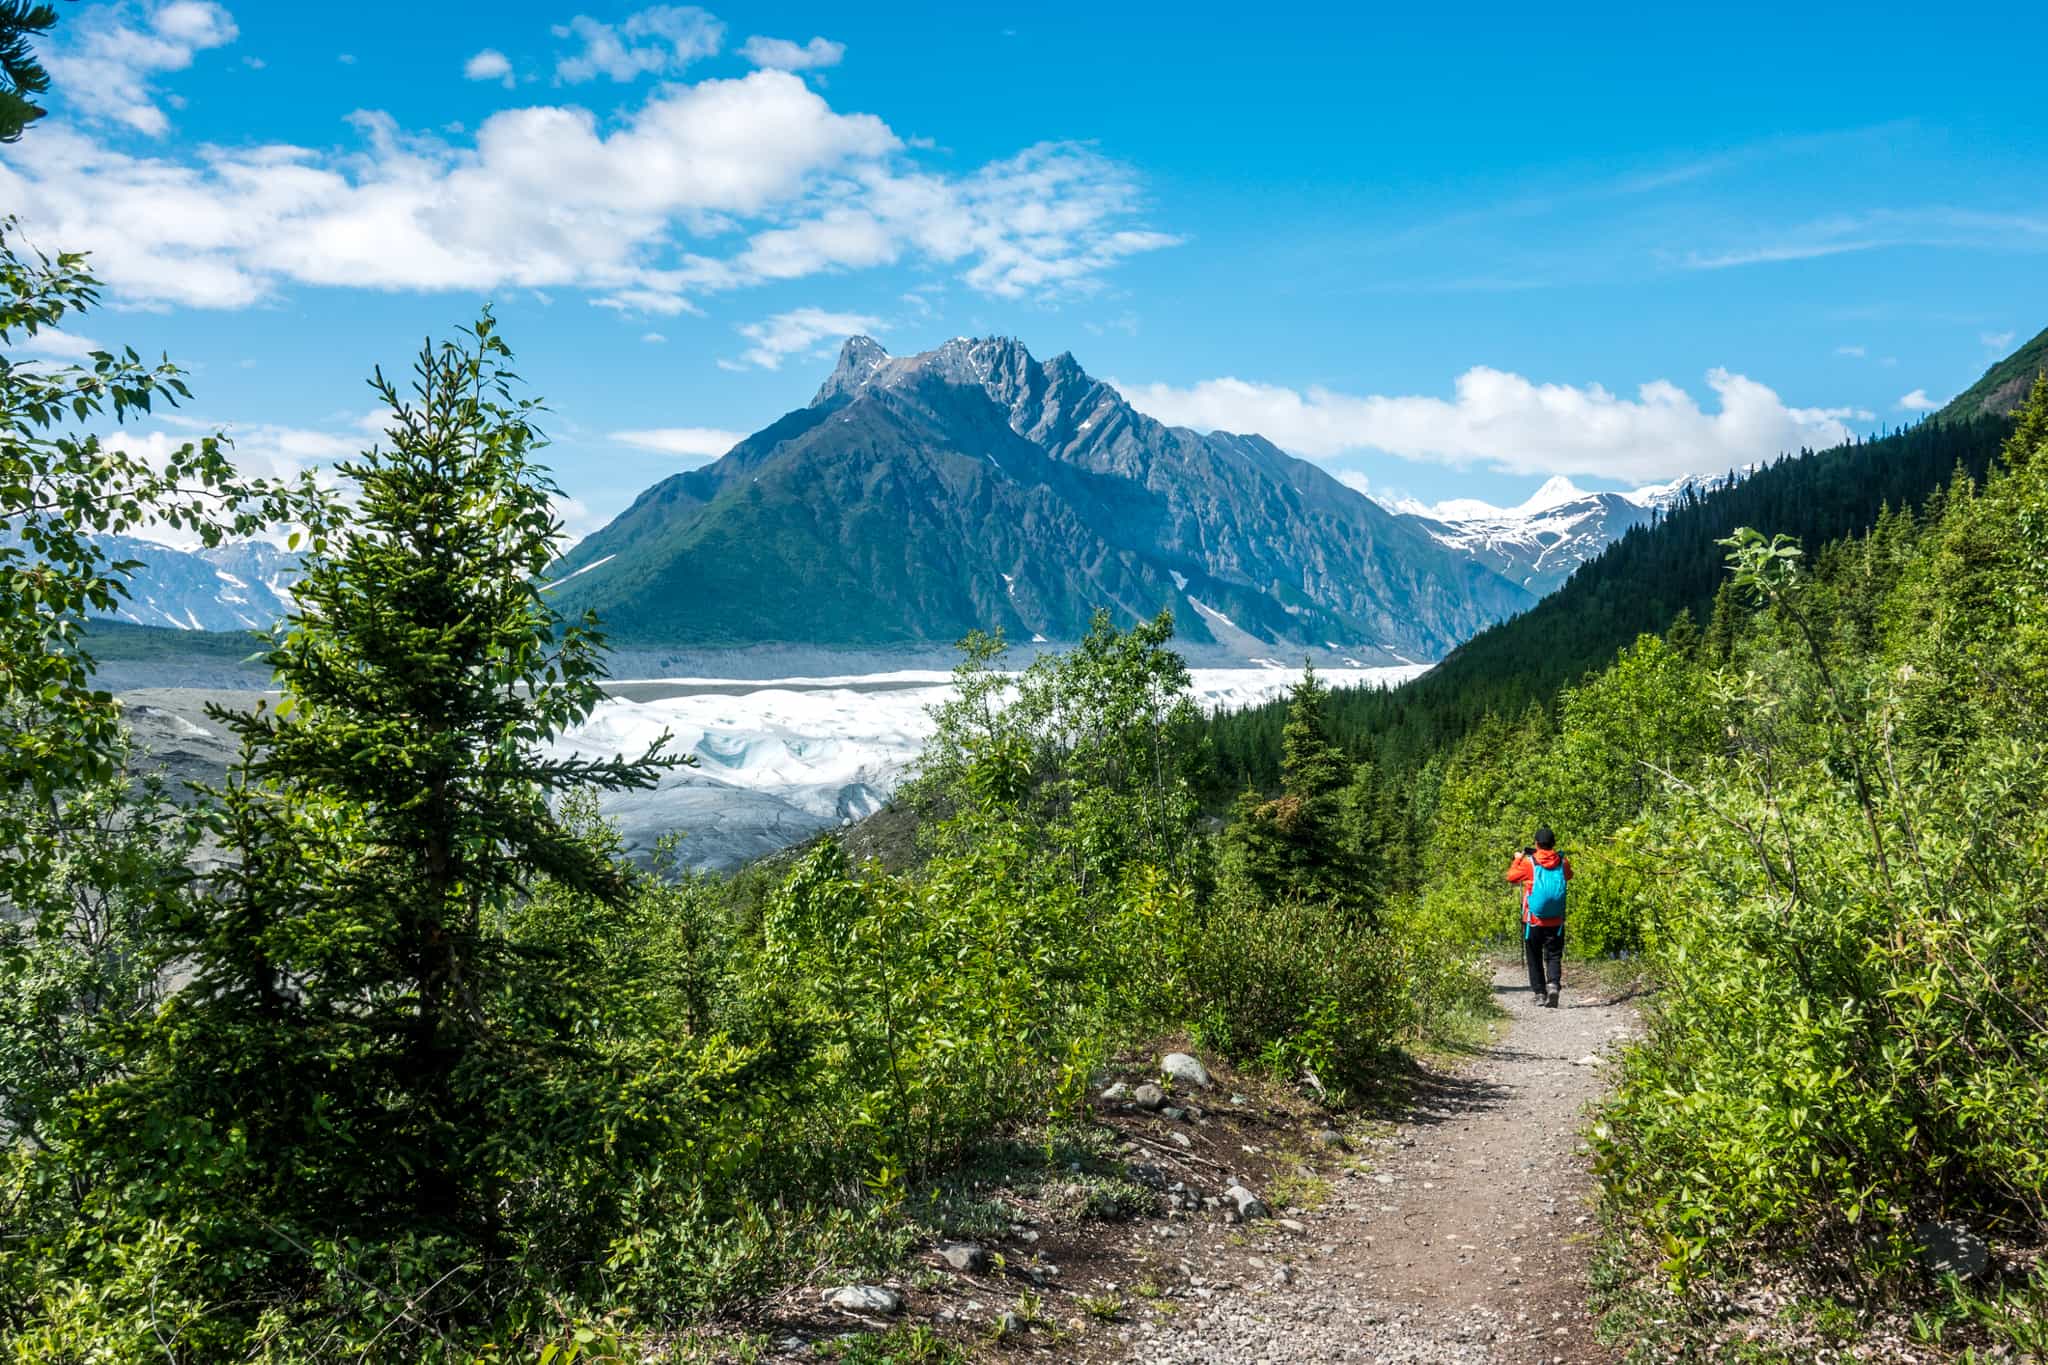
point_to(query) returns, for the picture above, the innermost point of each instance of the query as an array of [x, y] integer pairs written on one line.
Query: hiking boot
[[1550, 1000]]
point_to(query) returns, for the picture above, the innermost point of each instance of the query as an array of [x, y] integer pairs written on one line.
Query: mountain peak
[[1001, 365], [859, 359]]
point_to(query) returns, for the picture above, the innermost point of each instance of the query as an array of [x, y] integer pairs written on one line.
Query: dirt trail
[[1462, 1237]]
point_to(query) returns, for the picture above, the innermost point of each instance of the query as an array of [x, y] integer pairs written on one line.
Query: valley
[[778, 760], [609, 768]]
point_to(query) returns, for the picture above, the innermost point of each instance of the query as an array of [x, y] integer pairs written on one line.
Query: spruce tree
[[1313, 842], [360, 1052]]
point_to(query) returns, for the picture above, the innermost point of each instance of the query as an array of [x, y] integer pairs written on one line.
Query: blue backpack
[[1546, 892]]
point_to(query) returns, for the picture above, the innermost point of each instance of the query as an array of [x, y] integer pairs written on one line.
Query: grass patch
[[1301, 1188]]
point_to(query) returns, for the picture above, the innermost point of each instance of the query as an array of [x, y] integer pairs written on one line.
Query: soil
[[1457, 1231]]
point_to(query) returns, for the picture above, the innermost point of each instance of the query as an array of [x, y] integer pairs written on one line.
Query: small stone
[[1149, 1096], [1010, 1325], [1332, 1140], [1182, 1140], [1120, 1091], [1239, 1100], [1283, 1274], [1169, 1112], [1185, 1069], [1952, 1249], [864, 1298], [965, 1256], [1588, 1060], [1248, 1204], [1384, 1179], [1294, 1225]]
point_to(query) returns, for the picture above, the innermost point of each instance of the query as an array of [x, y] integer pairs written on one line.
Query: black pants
[[1543, 949]]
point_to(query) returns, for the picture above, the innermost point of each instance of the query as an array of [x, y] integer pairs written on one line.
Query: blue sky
[[1447, 252]]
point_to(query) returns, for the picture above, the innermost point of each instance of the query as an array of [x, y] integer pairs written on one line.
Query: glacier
[[782, 759]]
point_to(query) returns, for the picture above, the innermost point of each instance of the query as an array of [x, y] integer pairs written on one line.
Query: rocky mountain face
[[2004, 385], [1539, 543], [974, 486], [231, 587]]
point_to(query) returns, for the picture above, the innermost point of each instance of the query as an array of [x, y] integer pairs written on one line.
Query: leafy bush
[[1853, 1030], [1291, 985]]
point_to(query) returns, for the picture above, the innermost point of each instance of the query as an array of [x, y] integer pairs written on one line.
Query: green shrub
[[1852, 1031]]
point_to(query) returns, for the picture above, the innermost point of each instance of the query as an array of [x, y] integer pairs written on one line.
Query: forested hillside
[[1640, 583], [2003, 386]]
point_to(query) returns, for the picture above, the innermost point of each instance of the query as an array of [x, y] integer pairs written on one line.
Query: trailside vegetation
[[383, 1049], [1817, 829]]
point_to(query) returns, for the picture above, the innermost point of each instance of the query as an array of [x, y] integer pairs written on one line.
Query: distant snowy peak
[[1541, 540], [244, 586], [1558, 492]]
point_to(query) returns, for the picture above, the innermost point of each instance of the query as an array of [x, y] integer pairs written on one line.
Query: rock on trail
[[1463, 1237]]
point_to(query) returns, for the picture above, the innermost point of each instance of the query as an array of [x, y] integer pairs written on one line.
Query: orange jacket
[[1522, 874]]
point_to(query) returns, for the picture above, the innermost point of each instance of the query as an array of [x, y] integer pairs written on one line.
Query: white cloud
[[57, 344], [783, 55], [653, 338], [489, 65], [707, 442], [543, 197], [1354, 479], [1996, 341], [345, 58], [1857, 351], [259, 450], [1918, 401], [104, 70], [1506, 422], [797, 332], [658, 40]]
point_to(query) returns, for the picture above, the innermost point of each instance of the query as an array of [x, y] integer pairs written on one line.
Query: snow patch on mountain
[[241, 586]]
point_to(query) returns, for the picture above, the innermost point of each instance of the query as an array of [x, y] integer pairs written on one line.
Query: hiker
[[1541, 872]]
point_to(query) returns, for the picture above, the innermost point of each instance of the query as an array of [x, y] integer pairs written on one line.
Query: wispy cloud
[[1504, 421], [1918, 401], [797, 332], [1857, 351], [1779, 251], [698, 442], [1938, 226], [107, 68], [660, 40], [783, 55], [1996, 341]]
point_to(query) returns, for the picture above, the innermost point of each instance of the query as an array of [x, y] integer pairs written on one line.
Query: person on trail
[[1541, 871]]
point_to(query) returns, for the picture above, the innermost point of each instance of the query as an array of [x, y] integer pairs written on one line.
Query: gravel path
[[1462, 1237]]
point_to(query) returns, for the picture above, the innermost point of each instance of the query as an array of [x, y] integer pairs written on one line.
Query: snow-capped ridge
[[1541, 540]]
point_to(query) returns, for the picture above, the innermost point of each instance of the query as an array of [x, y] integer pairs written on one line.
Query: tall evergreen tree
[[360, 1046], [1310, 843]]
